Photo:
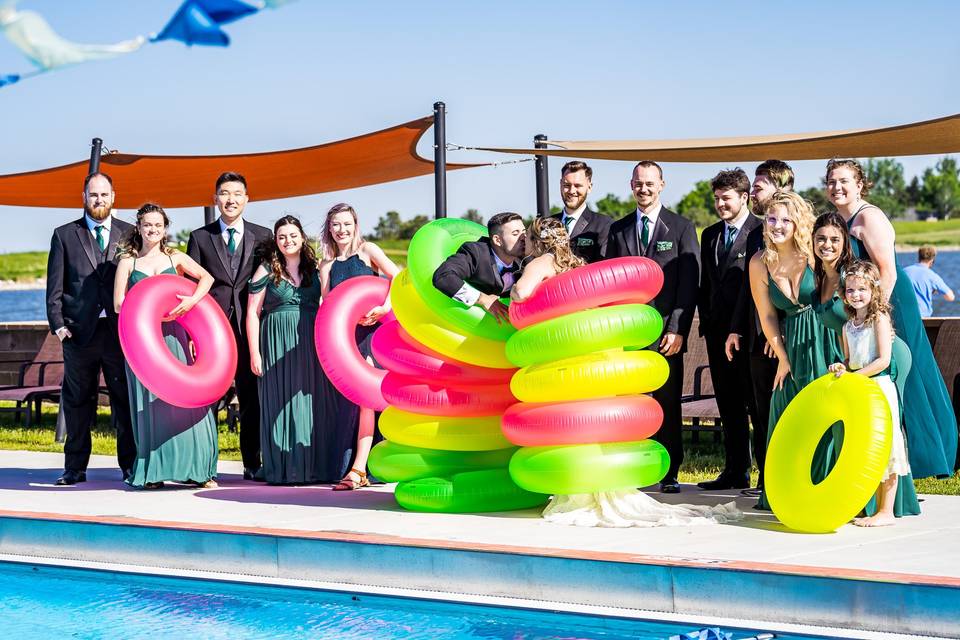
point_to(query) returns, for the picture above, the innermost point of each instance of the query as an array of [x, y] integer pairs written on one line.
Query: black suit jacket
[[78, 288], [673, 245], [588, 238], [473, 263], [745, 322], [721, 283], [206, 246]]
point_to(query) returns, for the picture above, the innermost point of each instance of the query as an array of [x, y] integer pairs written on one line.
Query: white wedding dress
[[633, 508]]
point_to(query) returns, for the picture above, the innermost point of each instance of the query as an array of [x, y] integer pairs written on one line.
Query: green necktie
[[232, 242], [101, 241], [645, 233], [731, 234], [568, 223]]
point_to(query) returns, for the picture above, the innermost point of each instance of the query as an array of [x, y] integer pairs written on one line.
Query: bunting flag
[[196, 22]]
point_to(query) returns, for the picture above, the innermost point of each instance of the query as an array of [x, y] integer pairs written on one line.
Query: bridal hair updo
[[550, 236]]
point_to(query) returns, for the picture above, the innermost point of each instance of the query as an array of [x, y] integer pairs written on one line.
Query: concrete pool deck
[[903, 579]]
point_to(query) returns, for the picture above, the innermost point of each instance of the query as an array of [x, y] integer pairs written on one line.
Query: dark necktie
[[232, 241], [101, 241], [731, 236], [644, 234]]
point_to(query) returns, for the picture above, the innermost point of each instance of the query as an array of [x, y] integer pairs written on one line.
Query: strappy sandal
[[348, 484]]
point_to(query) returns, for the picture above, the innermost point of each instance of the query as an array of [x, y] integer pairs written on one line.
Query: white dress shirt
[[237, 237], [736, 224], [468, 294], [652, 215], [572, 215]]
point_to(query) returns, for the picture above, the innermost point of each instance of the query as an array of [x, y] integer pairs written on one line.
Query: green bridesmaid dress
[[174, 444], [298, 408]]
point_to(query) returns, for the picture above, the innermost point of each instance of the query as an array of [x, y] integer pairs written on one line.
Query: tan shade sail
[[921, 138], [188, 181]]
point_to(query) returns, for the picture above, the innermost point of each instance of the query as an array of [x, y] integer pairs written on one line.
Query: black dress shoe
[[71, 477], [669, 485], [726, 481], [752, 493], [254, 474]]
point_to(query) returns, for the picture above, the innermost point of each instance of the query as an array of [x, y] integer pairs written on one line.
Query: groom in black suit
[[225, 248], [669, 240], [587, 229], [81, 268], [482, 271], [724, 257]]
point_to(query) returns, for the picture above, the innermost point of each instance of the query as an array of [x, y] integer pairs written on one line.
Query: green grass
[[23, 267], [940, 233]]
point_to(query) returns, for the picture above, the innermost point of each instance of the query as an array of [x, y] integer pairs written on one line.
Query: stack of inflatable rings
[[583, 422], [446, 387]]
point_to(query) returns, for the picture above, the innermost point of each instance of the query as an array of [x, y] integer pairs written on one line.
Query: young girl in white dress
[[867, 345]]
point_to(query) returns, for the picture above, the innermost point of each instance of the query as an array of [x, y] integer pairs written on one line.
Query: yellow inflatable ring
[[432, 331], [575, 334], [440, 432], [595, 375], [860, 404]]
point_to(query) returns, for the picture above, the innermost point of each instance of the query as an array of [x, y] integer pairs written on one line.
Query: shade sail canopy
[[188, 181], [921, 138]]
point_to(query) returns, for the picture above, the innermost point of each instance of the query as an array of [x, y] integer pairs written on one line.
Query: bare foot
[[876, 520]]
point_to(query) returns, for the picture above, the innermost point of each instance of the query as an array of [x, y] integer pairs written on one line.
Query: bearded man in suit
[[587, 229]]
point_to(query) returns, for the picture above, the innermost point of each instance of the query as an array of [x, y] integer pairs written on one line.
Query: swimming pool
[[46, 602]]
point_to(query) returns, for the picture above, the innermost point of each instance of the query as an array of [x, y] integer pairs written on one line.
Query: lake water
[[16, 306]]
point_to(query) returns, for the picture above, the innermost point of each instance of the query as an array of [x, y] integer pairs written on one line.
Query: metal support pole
[[440, 159], [96, 145], [209, 214], [543, 186]]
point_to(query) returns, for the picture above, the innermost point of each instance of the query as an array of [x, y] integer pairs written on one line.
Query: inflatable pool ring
[[623, 419], [417, 396], [141, 335], [333, 332], [583, 332], [392, 462], [467, 492], [432, 331], [442, 432], [431, 245], [595, 375], [589, 468], [398, 352], [616, 281], [860, 404]]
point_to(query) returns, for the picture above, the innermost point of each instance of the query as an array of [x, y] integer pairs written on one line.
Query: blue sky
[[314, 71]]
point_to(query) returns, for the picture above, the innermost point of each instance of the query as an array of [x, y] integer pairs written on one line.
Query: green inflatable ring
[[583, 332], [589, 468], [394, 462], [430, 246], [467, 492]]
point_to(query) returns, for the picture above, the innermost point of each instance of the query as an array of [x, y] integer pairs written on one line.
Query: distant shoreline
[[23, 285]]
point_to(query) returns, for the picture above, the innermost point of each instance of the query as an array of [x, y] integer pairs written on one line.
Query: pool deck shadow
[[904, 578]]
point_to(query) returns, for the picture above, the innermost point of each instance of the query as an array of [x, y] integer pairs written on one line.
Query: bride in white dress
[[548, 247]]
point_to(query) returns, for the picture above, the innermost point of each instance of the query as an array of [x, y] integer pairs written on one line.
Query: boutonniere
[[664, 245]]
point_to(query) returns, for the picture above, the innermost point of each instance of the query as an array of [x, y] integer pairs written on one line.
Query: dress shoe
[[726, 481], [71, 477], [669, 485], [256, 475], [126, 474], [752, 493]]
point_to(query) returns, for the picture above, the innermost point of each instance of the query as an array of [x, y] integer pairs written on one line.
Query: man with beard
[[80, 272], [587, 229], [770, 176], [225, 248], [480, 272], [669, 240]]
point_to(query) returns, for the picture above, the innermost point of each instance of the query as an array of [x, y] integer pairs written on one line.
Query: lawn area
[[703, 460], [939, 233], [23, 267]]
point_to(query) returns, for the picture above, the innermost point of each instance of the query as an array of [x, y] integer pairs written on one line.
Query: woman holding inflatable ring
[[347, 255], [174, 444], [298, 406]]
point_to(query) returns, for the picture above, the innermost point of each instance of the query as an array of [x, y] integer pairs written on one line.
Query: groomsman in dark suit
[[671, 241], [723, 257], [769, 177], [225, 248], [480, 272], [587, 229], [81, 268]]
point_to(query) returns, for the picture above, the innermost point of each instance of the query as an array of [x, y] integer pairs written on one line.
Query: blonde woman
[[548, 246], [784, 288]]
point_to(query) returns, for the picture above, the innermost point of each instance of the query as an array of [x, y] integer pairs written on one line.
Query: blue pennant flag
[[198, 21], [9, 79]]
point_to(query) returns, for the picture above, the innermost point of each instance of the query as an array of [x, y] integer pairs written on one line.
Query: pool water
[[46, 602]]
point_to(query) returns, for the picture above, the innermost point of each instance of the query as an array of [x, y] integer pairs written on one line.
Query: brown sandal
[[348, 484]]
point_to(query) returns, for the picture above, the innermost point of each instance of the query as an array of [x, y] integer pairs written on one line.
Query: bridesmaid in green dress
[[297, 402], [832, 254], [174, 444], [782, 279], [928, 417]]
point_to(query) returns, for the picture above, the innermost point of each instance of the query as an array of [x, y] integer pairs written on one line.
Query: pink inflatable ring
[[398, 352], [617, 281], [141, 336], [333, 333], [410, 394], [623, 418]]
